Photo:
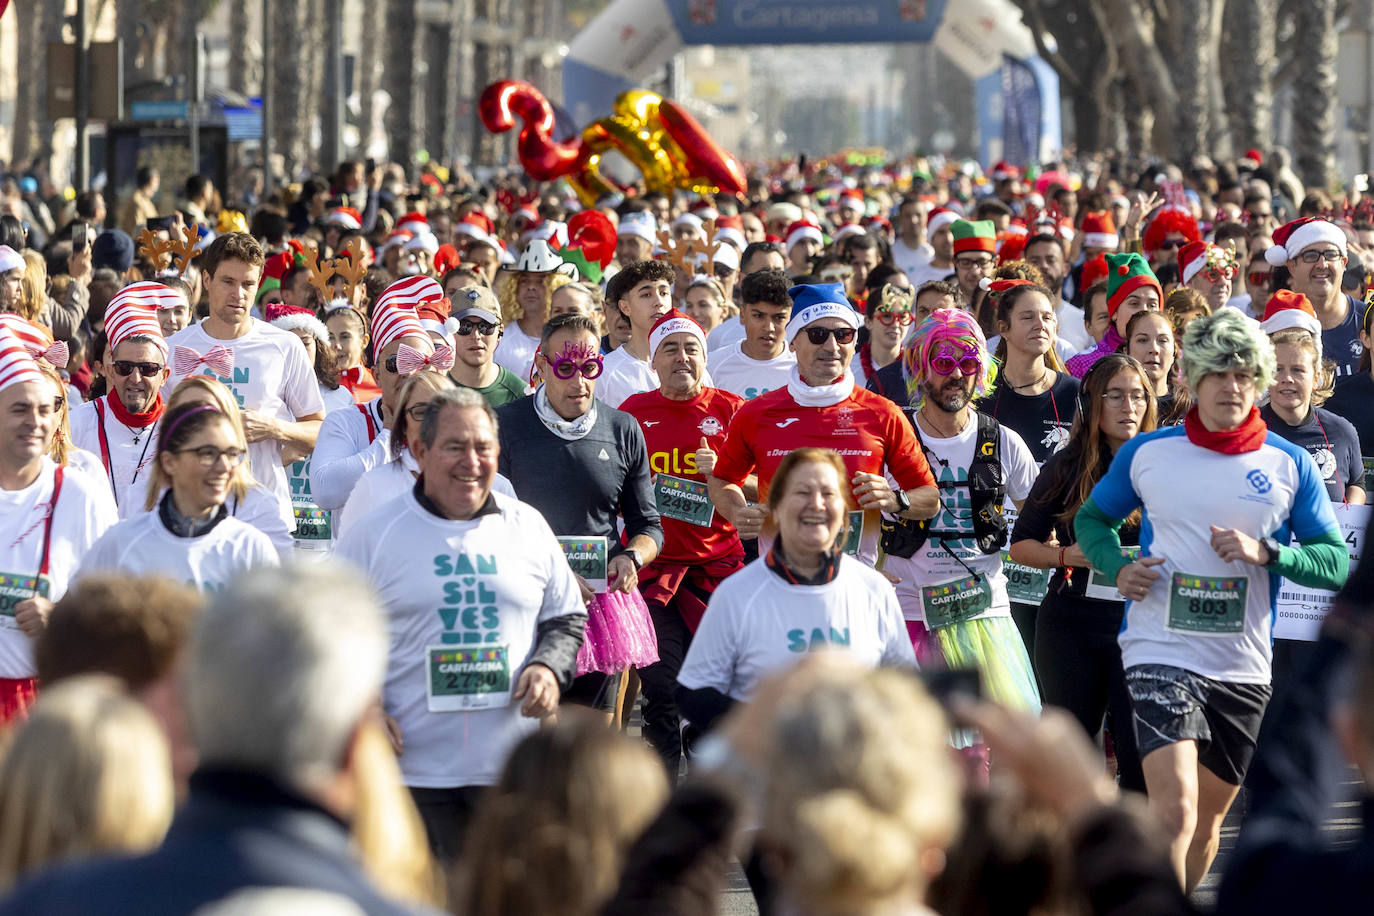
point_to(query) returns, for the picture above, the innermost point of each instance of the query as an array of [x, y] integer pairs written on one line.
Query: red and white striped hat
[[395, 315], [37, 339], [803, 229], [347, 217], [133, 313], [17, 366]]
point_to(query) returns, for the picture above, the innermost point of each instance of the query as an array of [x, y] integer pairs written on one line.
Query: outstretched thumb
[[1151, 561]]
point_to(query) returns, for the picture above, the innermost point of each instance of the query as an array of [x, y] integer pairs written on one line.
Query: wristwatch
[[1271, 546], [634, 557], [903, 501]]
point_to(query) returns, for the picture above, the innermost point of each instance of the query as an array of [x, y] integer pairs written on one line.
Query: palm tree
[[1314, 114]]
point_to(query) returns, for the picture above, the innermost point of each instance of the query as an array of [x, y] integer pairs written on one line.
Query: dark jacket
[[237, 830]]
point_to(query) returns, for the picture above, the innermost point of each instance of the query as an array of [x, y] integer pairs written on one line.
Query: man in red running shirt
[[684, 422], [822, 407]]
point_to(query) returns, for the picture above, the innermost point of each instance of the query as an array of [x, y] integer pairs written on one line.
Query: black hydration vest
[[987, 486]]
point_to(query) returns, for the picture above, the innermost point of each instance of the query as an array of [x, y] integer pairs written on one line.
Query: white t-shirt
[[142, 545], [271, 376], [85, 509], [335, 399], [911, 260], [516, 351], [131, 461], [926, 273], [87, 463], [741, 374], [952, 528], [484, 584], [728, 332], [384, 483], [344, 452], [1070, 327], [757, 624]]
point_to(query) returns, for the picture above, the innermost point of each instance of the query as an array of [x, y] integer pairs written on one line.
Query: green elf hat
[[1127, 273], [979, 236]]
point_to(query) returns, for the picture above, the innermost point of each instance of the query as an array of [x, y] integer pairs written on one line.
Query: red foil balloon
[[542, 157], [705, 157]]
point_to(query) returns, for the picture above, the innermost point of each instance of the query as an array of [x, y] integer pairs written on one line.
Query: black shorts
[[1170, 705]]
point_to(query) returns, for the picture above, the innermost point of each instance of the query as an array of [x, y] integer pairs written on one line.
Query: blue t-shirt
[[1332, 442], [1342, 343]]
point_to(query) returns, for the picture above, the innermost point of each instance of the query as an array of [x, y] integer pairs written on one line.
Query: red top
[[672, 432], [867, 430]]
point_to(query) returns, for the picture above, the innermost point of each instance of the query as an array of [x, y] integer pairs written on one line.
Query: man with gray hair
[[485, 615], [278, 697]]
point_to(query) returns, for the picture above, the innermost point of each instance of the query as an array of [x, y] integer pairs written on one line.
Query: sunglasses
[[1169, 244], [967, 362], [1213, 274], [890, 317], [124, 367], [565, 368], [1259, 278], [842, 336], [486, 329]]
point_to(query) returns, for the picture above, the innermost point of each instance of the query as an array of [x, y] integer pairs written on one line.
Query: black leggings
[[662, 725], [1078, 664]]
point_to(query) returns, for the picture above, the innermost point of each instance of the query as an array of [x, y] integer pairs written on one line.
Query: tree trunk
[[1151, 77], [374, 26], [38, 24], [312, 83], [238, 46], [1248, 65], [1191, 66], [403, 117], [1314, 117]]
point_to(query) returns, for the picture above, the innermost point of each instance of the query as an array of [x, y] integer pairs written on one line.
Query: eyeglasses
[[1118, 398], [831, 274], [486, 329], [890, 317], [565, 368], [207, 456], [973, 263], [1259, 278], [1312, 257], [1214, 274], [1170, 244], [818, 336], [124, 367], [968, 362], [418, 412]]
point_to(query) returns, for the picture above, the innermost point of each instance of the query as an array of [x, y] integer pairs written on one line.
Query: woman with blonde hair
[[88, 774], [551, 836], [253, 504], [63, 452]]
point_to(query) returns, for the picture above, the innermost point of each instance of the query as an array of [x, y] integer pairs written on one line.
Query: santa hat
[[446, 258], [133, 313], [395, 240], [551, 231], [1099, 230], [295, 318], [1171, 219], [853, 198], [939, 218], [1253, 155], [434, 317], [783, 210], [1011, 245], [16, 365], [1127, 273], [417, 223], [1004, 171], [1292, 237], [37, 339], [422, 241], [475, 226], [640, 224], [704, 210], [674, 322], [974, 236], [803, 229], [1287, 309], [813, 301], [395, 313], [997, 288], [731, 229], [10, 259], [344, 217], [848, 230], [1094, 270], [1192, 259]]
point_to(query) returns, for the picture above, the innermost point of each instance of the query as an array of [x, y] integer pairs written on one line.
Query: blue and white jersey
[[1203, 614]]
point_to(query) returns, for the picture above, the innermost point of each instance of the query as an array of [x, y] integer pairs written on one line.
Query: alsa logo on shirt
[[799, 641], [676, 462], [788, 422], [710, 426]]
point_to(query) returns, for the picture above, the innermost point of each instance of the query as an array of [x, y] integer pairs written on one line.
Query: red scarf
[[360, 383], [135, 420], [1247, 437]]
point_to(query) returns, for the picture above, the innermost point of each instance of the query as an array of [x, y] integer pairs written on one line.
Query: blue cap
[[114, 249], [806, 294], [28, 184]]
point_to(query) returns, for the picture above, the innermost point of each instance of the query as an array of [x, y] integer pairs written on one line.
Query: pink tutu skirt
[[620, 634]]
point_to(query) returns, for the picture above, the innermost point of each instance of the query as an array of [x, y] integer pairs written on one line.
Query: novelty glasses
[[966, 360]]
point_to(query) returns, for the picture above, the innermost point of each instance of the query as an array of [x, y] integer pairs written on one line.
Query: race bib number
[[461, 679], [1098, 587], [1207, 605], [15, 589], [854, 532], [313, 523], [587, 557], [1025, 584], [952, 602], [683, 500]]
